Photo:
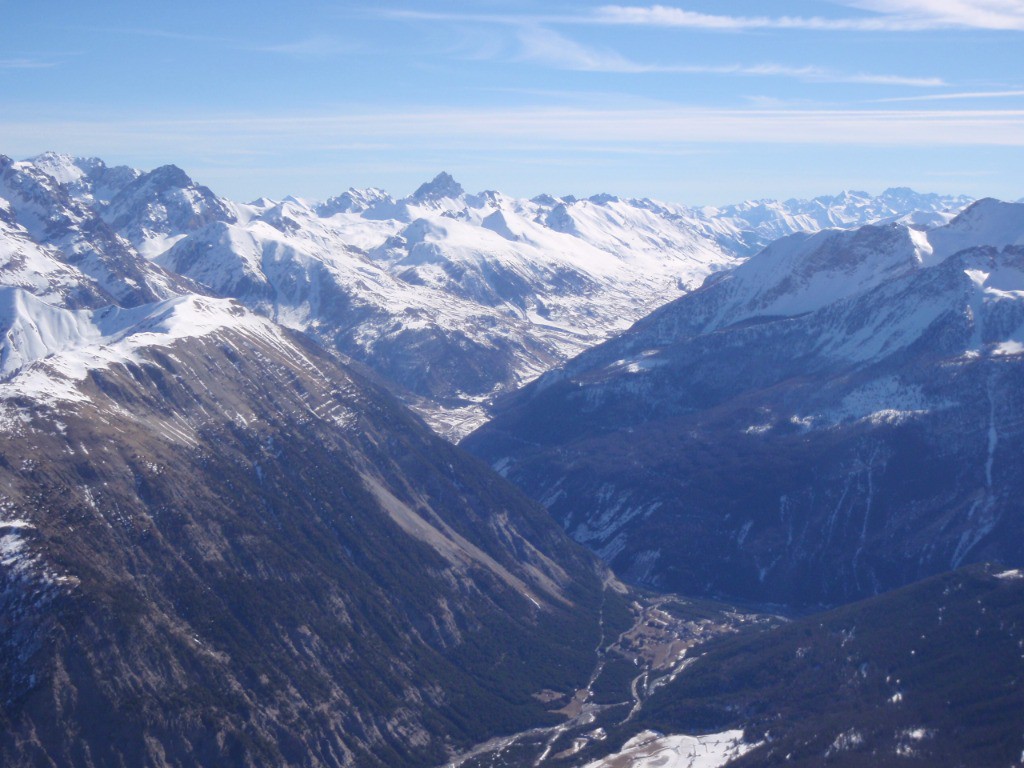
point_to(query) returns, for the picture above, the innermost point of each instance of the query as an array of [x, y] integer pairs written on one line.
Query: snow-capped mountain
[[837, 416], [754, 224], [223, 542], [38, 208], [88, 181], [207, 520], [157, 208], [453, 297]]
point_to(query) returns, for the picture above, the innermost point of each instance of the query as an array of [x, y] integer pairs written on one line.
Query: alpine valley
[[235, 528]]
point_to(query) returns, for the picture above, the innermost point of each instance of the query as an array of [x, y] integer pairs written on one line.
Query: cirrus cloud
[[550, 48], [891, 16]]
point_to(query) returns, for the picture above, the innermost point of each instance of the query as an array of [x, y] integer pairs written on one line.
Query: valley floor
[[661, 637]]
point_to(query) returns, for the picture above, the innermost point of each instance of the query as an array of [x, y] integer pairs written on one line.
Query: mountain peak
[[985, 206], [989, 211], [900, 192], [441, 186], [988, 221], [49, 156], [65, 169], [170, 176]]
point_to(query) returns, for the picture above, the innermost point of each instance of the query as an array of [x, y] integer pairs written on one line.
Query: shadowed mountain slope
[[220, 546]]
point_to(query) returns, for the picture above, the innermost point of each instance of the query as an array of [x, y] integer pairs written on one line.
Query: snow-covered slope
[[650, 749], [40, 269], [46, 351], [158, 208], [804, 273], [837, 416]]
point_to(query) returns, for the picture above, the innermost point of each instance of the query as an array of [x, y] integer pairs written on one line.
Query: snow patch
[[502, 466], [886, 400], [653, 750], [47, 351], [1008, 348], [916, 734], [157, 244], [844, 742], [18, 563], [1015, 575], [908, 738]]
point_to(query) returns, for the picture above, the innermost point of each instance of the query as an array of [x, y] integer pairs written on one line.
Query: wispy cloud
[[892, 16], [162, 34], [978, 14], [668, 16], [954, 96], [570, 130], [27, 64], [487, 18], [889, 16], [813, 74], [550, 48], [316, 47]]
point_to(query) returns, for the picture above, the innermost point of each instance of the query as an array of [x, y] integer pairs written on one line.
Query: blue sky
[[695, 102]]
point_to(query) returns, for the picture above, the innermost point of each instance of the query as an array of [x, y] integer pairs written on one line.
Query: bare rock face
[[163, 203], [219, 546]]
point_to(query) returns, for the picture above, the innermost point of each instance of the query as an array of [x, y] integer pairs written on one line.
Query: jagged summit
[[62, 167], [353, 201], [844, 197], [440, 187], [159, 207], [169, 176]]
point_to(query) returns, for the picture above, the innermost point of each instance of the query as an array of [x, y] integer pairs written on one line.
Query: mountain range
[[453, 298], [836, 417], [226, 539]]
